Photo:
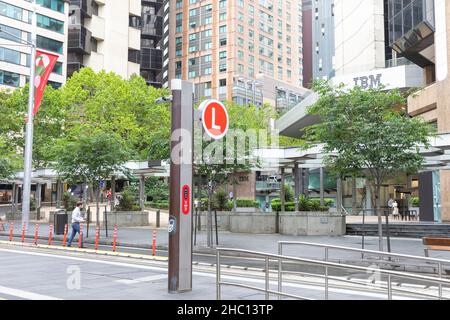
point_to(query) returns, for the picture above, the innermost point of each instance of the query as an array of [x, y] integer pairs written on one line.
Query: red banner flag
[[44, 64]]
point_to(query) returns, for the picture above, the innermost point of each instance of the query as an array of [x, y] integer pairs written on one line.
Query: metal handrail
[[326, 264], [379, 253]]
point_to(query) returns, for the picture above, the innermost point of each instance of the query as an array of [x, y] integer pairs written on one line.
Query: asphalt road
[[33, 273]]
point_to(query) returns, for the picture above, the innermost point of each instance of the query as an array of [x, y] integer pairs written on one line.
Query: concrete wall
[[128, 219], [312, 224], [297, 224]]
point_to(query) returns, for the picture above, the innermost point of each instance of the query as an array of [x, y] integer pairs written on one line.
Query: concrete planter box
[[18, 216], [223, 220], [312, 224], [128, 219], [297, 224], [257, 223]]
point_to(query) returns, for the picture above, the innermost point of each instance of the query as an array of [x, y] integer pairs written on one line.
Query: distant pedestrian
[[76, 220], [395, 211], [231, 196]]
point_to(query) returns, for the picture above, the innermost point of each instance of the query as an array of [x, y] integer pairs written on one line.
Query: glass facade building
[[411, 28]]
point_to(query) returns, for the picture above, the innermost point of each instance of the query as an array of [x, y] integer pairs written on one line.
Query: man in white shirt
[[76, 220]]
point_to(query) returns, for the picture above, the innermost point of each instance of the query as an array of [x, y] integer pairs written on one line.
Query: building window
[[49, 44], [10, 56], [50, 24], [9, 78], [56, 5], [11, 11]]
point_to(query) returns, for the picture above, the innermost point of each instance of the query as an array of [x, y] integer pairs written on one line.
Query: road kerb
[[85, 250]]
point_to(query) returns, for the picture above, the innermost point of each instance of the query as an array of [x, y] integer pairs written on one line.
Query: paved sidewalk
[[142, 237]]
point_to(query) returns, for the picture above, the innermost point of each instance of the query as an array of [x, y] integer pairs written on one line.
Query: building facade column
[[322, 188], [142, 192], [339, 195], [113, 193], [305, 182], [297, 185]]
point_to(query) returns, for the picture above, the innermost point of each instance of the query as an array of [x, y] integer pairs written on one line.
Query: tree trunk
[[378, 211], [209, 218], [234, 196]]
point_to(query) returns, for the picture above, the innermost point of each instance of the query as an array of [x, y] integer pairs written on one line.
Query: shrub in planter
[[220, 200], [69, 201], [415, 201], [127, 201]]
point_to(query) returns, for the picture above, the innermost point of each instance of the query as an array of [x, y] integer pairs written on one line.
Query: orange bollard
[[115, 238], [65, 236], [80, 238], [97, 236], [36, 234], [23, 233], [50, 235], [11, 229], [154, 243]]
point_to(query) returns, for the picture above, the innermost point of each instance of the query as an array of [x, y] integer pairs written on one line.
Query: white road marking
[[203, 274], [25, 294], [143, 279]]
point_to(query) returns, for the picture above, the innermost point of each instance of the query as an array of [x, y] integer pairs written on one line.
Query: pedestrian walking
[[76, 220]]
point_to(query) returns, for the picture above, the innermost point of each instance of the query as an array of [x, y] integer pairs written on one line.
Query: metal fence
[[326, 266]]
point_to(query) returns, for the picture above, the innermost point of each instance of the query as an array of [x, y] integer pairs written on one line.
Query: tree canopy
[[368, 133]]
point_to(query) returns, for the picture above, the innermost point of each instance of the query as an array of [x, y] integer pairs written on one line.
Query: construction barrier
[[23, 233], [154, 243], [50, 235], [11, 229], [115, 238], [80, 238], [97, 236], [65, 236], [36, 234]]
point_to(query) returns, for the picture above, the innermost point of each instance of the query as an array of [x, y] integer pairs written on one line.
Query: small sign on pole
[[214, 118]]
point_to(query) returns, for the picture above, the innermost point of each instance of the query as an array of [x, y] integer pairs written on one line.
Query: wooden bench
[[436, 244]]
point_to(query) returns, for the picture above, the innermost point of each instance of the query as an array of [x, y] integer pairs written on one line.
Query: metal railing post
[[389, 287], [280, 272], [267, 279], [326, 274], [440, 277], [218, 276]]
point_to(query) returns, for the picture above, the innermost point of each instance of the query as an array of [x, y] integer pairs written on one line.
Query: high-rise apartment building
[[307, 44], [231, 49], [120, 36], [100, 35], [15, 24], [151, 54], [323, 38]]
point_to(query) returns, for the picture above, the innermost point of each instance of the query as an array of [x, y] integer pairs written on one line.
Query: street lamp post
[[28, 152], [29, 129]]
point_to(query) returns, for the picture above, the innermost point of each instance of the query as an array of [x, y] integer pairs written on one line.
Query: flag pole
[[28, 152]]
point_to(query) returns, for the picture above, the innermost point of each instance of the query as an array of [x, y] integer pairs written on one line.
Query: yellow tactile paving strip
[[85, 250]]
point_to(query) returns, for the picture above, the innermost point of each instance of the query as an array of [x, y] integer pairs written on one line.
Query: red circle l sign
[[214, 118]]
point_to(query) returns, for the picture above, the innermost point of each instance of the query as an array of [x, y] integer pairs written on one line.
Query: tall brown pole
[[181, 192]]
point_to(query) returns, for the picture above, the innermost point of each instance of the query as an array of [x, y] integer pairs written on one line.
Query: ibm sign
[[406, 76], [368, 82]]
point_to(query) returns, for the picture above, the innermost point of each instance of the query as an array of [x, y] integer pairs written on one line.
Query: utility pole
[[181, 176], [28, 154]]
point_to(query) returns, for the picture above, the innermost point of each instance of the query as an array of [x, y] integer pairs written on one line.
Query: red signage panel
[[186, 199]]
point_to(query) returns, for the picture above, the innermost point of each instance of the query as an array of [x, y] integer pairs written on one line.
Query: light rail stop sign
[[214, 118]]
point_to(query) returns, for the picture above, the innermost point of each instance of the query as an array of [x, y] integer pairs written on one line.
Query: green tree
[[368, 133], [125, 108], [156, 188], [90, 158], [6, 169]]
